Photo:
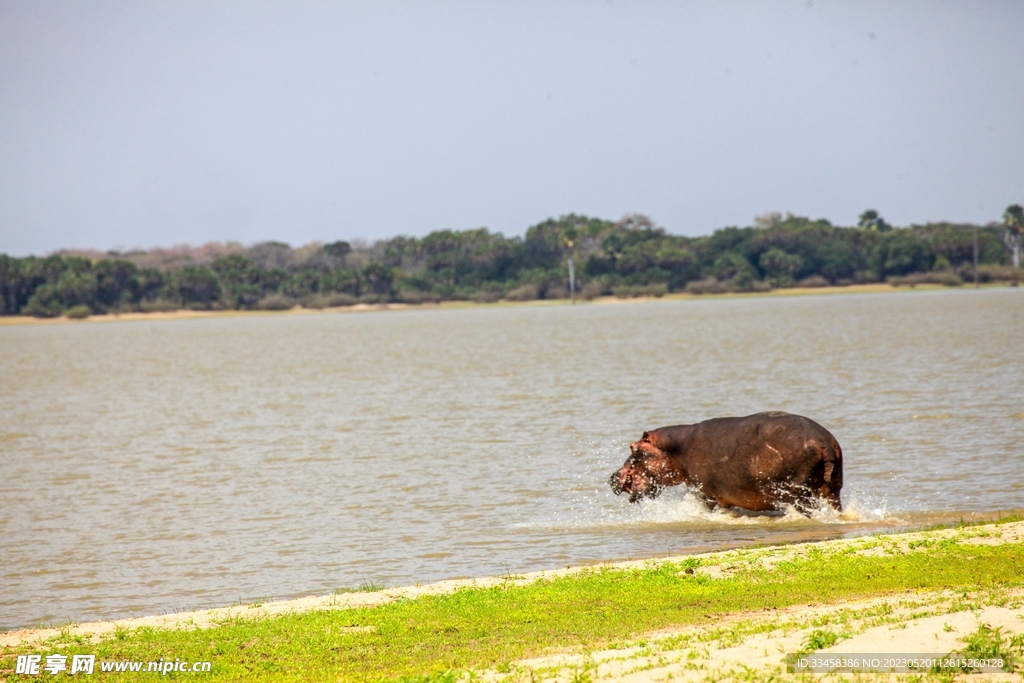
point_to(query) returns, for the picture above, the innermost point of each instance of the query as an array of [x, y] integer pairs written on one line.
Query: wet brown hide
[[758, 462]]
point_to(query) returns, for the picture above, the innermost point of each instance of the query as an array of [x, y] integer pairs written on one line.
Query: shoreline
[[872, 288], [714, 565], [750, 614]]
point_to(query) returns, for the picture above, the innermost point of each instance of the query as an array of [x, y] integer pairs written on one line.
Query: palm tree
[[567, 236], [872, 221], [1013, 219]]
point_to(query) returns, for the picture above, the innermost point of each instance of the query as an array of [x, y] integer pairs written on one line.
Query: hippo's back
[[758, 460], [761, 427]]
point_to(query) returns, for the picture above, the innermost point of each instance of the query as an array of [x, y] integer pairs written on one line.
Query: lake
[[161, 465]]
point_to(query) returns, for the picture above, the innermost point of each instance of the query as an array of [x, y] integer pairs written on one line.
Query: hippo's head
[[647, 470]]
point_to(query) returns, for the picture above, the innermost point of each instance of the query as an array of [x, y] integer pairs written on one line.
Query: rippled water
[[153, 466]]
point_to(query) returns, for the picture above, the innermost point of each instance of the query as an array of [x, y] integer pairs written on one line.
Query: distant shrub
[[1000, 274], [314, 301], [707, 286], [413, 296], [524, 293], [332, 300], [941, 277], [79, 312], [946, 277], [592, 290], [781, 281], [160, 305], [117, 309], [966, 273], [759, 286], [485, 297], [636, 291], [813, 281], [39, 310], [276, 302], [746, 282], [554, 291], [991, 273], [336, 299]]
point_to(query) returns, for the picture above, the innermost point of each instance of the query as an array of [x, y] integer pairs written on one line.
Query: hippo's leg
[[709, 503], [832, 498], [806, 506]]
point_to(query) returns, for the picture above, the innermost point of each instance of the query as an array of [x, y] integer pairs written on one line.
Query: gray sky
[[129, 124]]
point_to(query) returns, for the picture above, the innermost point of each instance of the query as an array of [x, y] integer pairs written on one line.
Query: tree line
[[628, 257]]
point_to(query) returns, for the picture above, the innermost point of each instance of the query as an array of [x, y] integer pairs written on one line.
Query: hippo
[[759, 462]]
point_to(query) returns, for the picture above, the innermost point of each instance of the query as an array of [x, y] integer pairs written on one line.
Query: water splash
[[590, 505], [685, 507]]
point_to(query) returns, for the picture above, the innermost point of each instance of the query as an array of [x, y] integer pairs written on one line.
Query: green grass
[[819, 639], [991, 643], [422, 639]]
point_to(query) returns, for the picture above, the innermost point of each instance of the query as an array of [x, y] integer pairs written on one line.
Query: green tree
[[240, 280], [60, 284], [342, 280], [271, 280], [539, 259], [77, 288], [339, 249], [10, 285], [440, 252], [22, 277], [544, 246], [45, 302], [149, 284], [677, 261], [870, 220], [730, 265], [780, 266], [301, 284], [115, 282], [900, 252], [379, 277], [195, 285]]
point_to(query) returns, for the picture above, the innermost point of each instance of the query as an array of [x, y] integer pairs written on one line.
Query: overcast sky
[[126, 124]]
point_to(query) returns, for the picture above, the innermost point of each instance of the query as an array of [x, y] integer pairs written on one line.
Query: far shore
[[872, 288]]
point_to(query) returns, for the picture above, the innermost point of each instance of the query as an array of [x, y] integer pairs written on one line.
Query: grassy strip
[[490, 627]]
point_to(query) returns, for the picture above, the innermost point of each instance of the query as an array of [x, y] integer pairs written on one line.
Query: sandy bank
[[714, 565], [363, 308], [754, 646]]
